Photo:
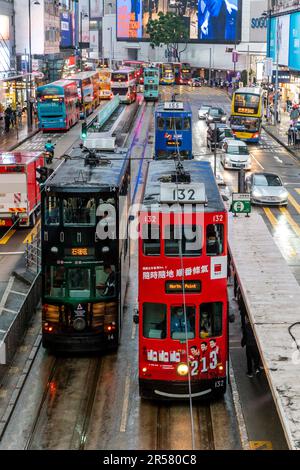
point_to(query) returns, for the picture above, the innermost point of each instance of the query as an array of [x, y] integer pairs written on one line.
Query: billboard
[[66, 30], [96, 9], [294, 52], [279, 39], [210, 21], [258, 22]]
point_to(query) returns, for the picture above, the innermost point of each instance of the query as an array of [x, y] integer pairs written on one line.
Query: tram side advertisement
[[207, 21]]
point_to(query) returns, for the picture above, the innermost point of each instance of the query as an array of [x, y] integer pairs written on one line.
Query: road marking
[[6, 293], [291, 221], [294, 203], [278, 159], [270, 216], [9, 310], [11, 253], [6, 237], [261, 445], [133, 332], [298, 190], [257, 161], [18, 293], [32, 233], [125, 401]]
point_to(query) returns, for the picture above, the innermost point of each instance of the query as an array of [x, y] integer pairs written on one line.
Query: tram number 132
[[188, 193], [205, 363]]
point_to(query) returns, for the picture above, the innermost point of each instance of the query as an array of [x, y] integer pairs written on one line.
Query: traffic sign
[[241, 203]]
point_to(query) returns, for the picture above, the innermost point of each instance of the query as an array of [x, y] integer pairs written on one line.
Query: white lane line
[[6, 293], [17, 292], [278, 159], [238, 409], [125, 401], [9, 310], [257, 161], [12, 252]]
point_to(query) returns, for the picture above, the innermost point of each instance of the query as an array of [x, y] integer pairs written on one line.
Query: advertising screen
[[211, 21], [294, 54], [66, 30], [279, 39]]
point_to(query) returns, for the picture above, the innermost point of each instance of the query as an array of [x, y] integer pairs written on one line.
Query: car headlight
[[223, 118], [210, 118]]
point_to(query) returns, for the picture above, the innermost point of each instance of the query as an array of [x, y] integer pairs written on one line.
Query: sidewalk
[[279, 133], [15, 137]]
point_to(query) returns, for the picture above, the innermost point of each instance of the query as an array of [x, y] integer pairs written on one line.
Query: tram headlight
[[79, 324], [182, 369]]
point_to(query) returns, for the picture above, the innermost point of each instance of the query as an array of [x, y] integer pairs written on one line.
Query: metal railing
[[33, 254]]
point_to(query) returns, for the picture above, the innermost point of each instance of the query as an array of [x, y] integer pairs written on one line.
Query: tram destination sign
[[241, 203], [183, 193], [176, 105]]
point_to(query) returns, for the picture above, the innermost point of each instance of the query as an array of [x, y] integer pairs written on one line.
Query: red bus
[[183, 73], [123, 83], [183, 333], [138, 66]]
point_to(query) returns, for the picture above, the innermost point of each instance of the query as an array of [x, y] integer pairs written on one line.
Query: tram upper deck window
[[154, 320], [186, 123], [174, 123], [55, 281], [211, 319], [51, 211], [79, 282], [179, 327], [151, 239], [160, 122], [185, 240], [214, 239], [79, 211], [105, 281]]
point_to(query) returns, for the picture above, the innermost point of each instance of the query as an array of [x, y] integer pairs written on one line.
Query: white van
[[235, 155]]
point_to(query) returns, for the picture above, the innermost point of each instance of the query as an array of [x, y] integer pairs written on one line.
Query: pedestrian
[[7, 118], [19, 113], [13, 118], [252, 352], [290, 134]]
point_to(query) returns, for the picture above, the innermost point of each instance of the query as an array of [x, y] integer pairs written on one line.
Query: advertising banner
[[96, 9], [294, 52], [211, 21], [258, 23], [66, 30], [279, 39]]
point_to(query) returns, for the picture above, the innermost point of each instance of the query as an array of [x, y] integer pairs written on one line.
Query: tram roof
[[74, 176], [161, 108], [271, 294], [200, 172]]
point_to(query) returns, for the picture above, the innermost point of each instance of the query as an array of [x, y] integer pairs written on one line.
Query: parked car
[[223, 132], [203, 110], [267, 189], [215, 115], [194, 82], [235, 155]]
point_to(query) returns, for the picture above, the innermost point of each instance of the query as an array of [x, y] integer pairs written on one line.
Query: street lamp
[[29, 108]]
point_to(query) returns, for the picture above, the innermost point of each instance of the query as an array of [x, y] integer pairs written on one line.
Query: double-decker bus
[[105, 83], [58, 105], [85, 252], [173, 130], [247, 113], [138, 66], [183, 330], [123, 83], [151, 83], [88, 90], [182, 72], [166, 73]]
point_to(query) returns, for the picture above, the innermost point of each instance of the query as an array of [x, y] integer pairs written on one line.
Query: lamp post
[[268, 14], [28, 95], [82, 15], [111, 48]]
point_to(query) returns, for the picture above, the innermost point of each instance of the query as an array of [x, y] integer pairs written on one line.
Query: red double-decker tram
[[183, 72], [183, 318]]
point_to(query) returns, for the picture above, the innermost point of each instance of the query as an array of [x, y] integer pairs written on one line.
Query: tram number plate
[[182, 193], [173, 105]]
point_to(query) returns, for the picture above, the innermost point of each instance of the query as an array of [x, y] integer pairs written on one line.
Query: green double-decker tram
[[151, 84], [85, 251]]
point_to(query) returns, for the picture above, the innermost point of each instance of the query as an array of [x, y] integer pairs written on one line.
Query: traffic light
[[44, 173], [83, 130]]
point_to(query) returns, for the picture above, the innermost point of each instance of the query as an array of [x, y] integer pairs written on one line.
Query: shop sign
[[283, 76]]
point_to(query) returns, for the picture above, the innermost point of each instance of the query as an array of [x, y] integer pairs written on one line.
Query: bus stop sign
[[241, 203]]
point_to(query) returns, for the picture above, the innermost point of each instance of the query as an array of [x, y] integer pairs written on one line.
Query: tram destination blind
[[173, 105], [183, 193]]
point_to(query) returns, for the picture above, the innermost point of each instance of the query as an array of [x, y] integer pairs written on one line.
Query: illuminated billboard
[[211, 21]]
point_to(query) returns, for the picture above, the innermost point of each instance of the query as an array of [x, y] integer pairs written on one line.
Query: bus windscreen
[[246, 103]]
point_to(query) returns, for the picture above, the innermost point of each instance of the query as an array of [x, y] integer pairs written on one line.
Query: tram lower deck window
[[211, 319], [154, 320], [185, 240]]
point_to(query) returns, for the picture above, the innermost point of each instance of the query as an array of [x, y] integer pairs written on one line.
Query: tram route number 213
[[205, 363]]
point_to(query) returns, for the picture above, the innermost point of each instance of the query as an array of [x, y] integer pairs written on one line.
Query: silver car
[[202, 113], [266, 189]]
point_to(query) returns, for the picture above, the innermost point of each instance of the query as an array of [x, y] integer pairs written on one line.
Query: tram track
[[60, 390]]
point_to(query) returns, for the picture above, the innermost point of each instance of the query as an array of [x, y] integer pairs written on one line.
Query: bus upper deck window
[[151, 240], [160, 123], [214, 239]]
